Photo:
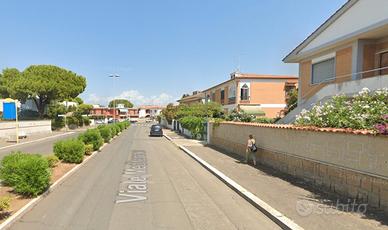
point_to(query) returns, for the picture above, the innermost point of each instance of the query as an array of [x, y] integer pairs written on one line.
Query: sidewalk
[[290, 197]]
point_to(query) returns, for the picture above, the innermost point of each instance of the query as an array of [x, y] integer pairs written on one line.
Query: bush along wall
[[365, 110]]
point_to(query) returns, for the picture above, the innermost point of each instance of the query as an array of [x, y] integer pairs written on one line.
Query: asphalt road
[[43, 147], [139, 182]]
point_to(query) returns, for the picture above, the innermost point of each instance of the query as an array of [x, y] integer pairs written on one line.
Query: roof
[[253, 76], [151, 107], [194, 97], [320, 29]]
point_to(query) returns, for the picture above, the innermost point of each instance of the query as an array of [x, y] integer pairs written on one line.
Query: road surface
[[142, 182], [43, 147]]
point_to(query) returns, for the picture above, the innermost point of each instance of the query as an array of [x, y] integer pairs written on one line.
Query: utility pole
[[114, 76]]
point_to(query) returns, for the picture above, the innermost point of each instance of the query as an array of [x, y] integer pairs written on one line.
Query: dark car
[[156, 130]]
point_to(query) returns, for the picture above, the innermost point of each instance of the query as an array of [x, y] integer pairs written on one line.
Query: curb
[[277, 217], [41, 139], [17, 215]]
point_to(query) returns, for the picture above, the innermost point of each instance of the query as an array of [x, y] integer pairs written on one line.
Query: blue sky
[[161, 49]]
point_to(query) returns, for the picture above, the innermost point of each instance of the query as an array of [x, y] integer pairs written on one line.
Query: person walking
[[251, 150]]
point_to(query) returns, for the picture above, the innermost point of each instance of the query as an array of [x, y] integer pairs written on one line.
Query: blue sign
[[9, 111]]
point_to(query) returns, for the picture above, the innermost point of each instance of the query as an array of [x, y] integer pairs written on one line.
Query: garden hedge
[[106, 133], [70, 151], [28, 174], [92, 136]]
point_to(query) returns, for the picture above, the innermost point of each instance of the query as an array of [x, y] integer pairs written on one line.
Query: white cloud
[[135, 97], [95, 99]]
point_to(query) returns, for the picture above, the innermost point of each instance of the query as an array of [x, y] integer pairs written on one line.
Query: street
[[43, 147], [142, 182]]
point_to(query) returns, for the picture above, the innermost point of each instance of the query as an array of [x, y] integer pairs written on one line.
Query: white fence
[[8, 128]]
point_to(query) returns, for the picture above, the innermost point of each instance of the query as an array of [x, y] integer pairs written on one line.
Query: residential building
[[195, 97], [133, 112], [346, 53], [105, 112], [151, 111], [256, 94]]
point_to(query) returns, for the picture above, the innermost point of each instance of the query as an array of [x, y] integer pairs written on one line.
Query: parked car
[[113, 121], [156, 130], [100, 122]]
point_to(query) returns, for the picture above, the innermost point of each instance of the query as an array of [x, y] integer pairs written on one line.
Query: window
[[245, 92], [323, 71], [232, 91], [383, 63], [222, 95]]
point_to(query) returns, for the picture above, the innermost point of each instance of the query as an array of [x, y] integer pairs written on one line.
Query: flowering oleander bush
[[362, 111], [382, 127]]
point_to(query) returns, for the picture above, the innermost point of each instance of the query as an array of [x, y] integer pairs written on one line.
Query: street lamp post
[[114, 76]]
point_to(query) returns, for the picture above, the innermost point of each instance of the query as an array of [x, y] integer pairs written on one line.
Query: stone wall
[[351, 165], [8, 128]]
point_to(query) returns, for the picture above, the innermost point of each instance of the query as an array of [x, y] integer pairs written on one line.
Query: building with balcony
[[348, 52], [261, 95]]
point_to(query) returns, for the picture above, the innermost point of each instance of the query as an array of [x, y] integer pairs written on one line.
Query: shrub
[[52, 160], [72, 122], [194, 124], [382, 127], [264, 120], [28, 174], [113, 130], [86, 121], [88, 149], [71, 151], [92, 136], [121, 125], [362, 111], [239, 116], [5, 202], [118, 127], [105, 132], [57, 123]]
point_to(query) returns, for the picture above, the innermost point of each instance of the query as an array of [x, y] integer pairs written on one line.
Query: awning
[[252, 110]]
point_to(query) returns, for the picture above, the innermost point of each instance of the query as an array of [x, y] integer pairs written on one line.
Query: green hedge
[[106, 133], [52, 160], [88, 149], [71, 151], [92, 136], [28, 174], [113, 130]]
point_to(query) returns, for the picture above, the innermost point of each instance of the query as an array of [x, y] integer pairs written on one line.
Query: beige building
[[195, 97], [262, 95], [346, 53]]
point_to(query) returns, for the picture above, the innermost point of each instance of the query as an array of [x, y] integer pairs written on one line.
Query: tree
[[7, 76], [78, 100], [45, 83], [84, 109], [170, 112], [291, 100], [127, 104]]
